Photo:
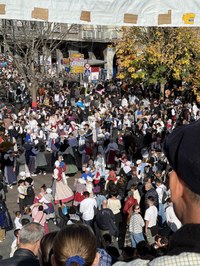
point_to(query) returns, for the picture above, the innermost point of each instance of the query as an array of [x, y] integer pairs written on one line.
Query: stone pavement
[[11, 202]]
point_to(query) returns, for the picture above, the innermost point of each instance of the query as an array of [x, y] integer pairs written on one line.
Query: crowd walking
[[118, 144]]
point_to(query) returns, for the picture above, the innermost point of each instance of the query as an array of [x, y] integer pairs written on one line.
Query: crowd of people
[[111, 137]]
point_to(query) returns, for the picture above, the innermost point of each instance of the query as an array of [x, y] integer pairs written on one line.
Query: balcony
[[73, 32], [92, 33]]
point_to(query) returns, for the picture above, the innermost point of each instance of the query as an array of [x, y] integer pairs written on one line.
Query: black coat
[[21, 257], [144, 196], [5, 219], [186, 239], [63, 218], [153, 193], [105, 220], [29, 199]]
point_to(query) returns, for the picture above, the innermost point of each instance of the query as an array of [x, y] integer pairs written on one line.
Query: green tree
[[130, 54], [161, 54]]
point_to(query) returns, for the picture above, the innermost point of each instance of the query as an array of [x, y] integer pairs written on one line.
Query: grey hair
[[31, 233]]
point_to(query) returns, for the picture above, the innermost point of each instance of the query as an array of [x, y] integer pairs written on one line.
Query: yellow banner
[[77, 69], [76, 56]]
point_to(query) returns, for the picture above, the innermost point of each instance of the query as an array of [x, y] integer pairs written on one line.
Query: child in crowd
[[15, 243], [17, 221], [80, 187], [22, 191]]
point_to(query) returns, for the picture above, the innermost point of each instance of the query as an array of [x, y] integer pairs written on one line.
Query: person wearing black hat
[[30, 194]]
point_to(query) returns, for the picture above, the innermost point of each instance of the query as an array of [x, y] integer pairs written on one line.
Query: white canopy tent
[[105, 12]]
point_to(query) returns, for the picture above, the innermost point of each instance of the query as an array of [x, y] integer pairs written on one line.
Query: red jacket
[[128, 204]]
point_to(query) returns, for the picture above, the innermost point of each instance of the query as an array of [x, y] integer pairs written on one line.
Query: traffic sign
[[87, 66], [87, 72]]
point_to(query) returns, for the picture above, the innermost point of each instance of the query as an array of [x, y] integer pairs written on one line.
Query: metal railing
[[74, 32]]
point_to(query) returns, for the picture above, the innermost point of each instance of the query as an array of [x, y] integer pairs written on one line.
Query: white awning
[[94, 62], [105, 12]]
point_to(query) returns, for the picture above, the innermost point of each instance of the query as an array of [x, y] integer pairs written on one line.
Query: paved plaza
[[11, 202]]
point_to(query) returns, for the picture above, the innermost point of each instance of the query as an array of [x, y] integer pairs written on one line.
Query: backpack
[[65, 210]]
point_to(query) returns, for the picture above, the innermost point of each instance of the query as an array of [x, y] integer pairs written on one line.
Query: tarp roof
[[105, 12]]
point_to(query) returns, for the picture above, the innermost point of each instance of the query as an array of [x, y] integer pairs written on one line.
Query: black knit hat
[[29, 180], [182, 148]]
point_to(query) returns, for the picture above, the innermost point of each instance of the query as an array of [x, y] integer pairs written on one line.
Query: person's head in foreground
[[45, 251], [30, 236], [75, 245], [182, 148]]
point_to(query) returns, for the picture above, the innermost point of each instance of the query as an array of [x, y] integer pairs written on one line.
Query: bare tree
[[30, 43]]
